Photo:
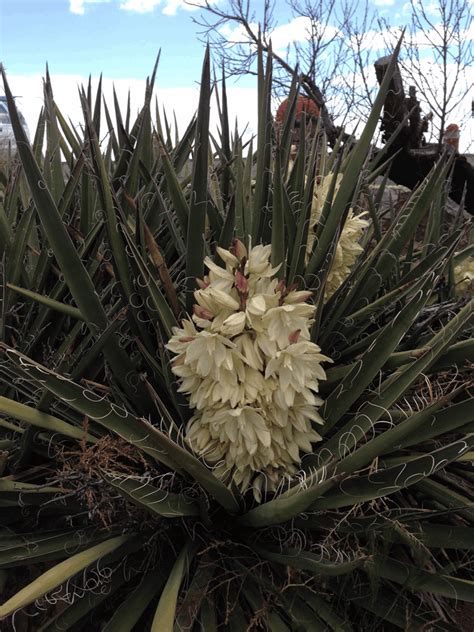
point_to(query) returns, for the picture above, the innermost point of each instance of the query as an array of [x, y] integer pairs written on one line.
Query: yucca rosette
[[348, 247], [246, 361]]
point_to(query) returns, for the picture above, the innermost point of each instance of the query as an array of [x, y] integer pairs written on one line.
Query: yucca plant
[[196, 434]]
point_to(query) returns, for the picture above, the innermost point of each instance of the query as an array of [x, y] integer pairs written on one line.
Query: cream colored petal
[[233, 324], [227, 257]]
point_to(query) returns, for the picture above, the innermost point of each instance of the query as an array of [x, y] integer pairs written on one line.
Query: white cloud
[[170, 7], [376, 40], [77, 6], [140, 6], [183, 101], [379, 40], [431, 8], [297, 30], [237, 34]]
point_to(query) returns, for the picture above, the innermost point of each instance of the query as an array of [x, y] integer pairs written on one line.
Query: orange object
[[303, 105], [451, 136]]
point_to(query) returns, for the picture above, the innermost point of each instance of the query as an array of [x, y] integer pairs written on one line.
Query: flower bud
[[234, 324], [202, 283], [202, 312], [281, 287], [227, 257], [238, 249], [241, 283], [298, 297]]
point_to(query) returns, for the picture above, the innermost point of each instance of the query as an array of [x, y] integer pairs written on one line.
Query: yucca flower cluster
[[251, 372], [348, 247], [464, 277]]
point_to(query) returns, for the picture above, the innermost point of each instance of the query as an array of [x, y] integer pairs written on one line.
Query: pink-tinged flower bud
[[298, 297], [280, 287], [294, 336], [202, 312], [238, 249], [202, 283], [228, 257], [241, 283], [187, 339]]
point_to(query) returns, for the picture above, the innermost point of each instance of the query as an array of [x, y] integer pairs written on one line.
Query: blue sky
[[120, 38], [105, 38], [117, 37]]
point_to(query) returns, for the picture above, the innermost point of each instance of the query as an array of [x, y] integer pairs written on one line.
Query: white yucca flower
[[348, 247], [464, 277], [246, 362]]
